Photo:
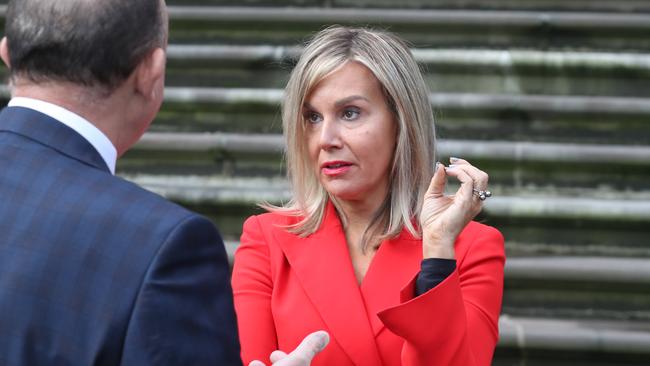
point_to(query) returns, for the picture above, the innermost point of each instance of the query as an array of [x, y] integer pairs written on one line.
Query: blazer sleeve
[[184, 313], [456, 322], [252, 287]]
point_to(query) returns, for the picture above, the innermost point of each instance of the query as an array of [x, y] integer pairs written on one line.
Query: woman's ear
[[4, 51], [150, 74]]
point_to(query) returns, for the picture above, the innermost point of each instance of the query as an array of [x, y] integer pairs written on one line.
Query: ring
[[482, 195]]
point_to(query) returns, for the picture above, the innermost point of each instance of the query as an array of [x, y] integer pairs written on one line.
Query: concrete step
[[509, 71], [566, 104], [535, 223], [459, 115], [439, 28], [535, 341], [250, 190], [573, 5], [498, 150], [575, 287], [578, 287], [557, 5], [534, 118], [540, 167]]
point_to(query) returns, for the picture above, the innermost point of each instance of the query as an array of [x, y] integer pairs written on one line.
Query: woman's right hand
[[302, 355]]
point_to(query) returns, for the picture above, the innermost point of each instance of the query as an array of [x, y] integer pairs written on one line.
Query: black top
[[432, 272]]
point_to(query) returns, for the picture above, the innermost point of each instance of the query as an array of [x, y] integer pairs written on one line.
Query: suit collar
[[82, 126], [394, 266], [52, 133], [322, 264]]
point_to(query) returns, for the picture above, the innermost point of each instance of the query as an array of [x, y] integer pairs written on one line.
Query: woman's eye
[[313, 117], [351, 113]]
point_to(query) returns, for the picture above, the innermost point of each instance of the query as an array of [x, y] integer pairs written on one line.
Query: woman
[[370, 248]]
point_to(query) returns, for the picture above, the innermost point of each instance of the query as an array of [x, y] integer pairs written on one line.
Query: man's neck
[[96, 107], [83, 127]]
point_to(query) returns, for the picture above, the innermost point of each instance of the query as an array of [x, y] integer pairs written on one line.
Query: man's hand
[[302, 355]]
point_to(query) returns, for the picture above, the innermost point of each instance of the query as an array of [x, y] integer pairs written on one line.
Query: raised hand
[[443, 217], [302, 355]]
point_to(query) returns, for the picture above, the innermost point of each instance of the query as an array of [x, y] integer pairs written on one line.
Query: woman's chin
[[346, 195]]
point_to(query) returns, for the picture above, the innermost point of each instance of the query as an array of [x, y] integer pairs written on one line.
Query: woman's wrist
[[438, 251], [434, 246]]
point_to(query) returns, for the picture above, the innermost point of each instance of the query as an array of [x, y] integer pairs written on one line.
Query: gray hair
[[85, 42], [392, 63]]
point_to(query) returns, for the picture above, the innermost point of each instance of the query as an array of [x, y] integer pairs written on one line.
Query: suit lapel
[[395, 264], [322, 264], [52, 133]]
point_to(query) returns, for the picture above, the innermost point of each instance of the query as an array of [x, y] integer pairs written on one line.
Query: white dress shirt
[[87, 130]]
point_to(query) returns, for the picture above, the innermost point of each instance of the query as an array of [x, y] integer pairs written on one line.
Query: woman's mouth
[[335, 168]]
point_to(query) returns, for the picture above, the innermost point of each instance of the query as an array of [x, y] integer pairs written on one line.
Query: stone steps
[[559, 104], [505, 71], [459, 115], [498, 150], [556, 5], [578, 287], [539, 341], [574, 5], [554, 223], [532, 118], [431, 27], [526, 204], [610, 171]]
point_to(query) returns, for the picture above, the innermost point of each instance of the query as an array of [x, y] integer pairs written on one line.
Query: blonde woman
[[370, 248]]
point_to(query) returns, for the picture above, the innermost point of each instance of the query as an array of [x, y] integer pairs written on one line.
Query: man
[[93, 269]]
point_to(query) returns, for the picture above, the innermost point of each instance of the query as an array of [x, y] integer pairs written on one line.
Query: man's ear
[[4, 51], [150, 73]]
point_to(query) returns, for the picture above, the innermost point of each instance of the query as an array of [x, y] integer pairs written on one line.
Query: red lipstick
[[335, 168]]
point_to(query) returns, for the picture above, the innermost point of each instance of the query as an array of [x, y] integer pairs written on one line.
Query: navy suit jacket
[[95, 270]]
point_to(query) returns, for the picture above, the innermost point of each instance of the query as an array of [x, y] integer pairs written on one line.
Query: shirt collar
[[87, 130]]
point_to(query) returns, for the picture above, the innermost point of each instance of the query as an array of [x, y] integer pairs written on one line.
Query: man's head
[[104, 53], [94, 43]]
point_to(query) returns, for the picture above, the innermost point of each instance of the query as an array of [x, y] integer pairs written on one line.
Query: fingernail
[[435, 168], [453, 159], [325, 340]]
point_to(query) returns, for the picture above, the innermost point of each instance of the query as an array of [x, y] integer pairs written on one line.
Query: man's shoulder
[[124, 212], [137, 201], [128, 187]]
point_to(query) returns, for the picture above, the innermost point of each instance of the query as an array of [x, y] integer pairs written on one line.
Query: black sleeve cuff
[[432, 272]]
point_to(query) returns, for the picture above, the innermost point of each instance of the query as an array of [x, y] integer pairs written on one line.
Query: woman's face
[[351, 135]]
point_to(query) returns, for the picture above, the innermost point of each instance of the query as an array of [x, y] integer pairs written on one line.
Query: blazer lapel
[[52, 133], [395, 264], [322, 264]]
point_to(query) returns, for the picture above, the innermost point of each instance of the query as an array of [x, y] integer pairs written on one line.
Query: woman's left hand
[[443, 217]]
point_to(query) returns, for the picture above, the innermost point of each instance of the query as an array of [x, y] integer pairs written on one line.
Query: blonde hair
[[392, 63]]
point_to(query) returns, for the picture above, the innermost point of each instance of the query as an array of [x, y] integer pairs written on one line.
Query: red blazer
[[286, 287]]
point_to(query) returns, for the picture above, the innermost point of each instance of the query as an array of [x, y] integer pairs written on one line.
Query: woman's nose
[[329, 134]]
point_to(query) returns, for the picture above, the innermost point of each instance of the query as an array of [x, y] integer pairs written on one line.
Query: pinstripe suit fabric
[[97, 271]]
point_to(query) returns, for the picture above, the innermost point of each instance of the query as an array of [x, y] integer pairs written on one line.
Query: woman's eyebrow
[[306, 105], [349, 99], [339, 102]]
